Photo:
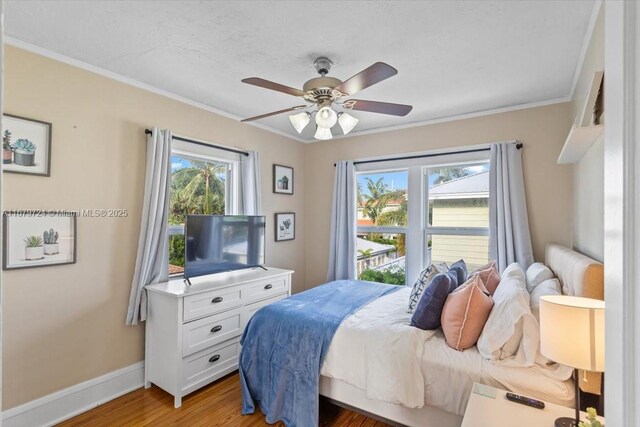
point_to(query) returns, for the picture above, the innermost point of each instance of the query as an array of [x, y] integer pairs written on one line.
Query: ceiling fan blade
[[262, 116], [378, 107], [367, 77], [257, 81]]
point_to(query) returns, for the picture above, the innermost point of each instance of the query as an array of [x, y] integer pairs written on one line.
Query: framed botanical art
[[38, 239], [285, 226], [282, 179], [26, 145]]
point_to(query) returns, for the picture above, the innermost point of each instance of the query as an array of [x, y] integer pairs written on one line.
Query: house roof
[[466, 187], [376, 248]]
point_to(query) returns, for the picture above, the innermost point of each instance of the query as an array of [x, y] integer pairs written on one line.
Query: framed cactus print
[[282, 179], [38, 238], [285, 226], [26, 145]]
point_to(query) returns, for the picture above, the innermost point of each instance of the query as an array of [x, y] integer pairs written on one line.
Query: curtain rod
[[244, 153], [420, 156]]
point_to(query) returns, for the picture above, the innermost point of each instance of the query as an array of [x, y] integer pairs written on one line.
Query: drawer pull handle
[[216, 328], [214, 358], [216, 300], [269, 286]]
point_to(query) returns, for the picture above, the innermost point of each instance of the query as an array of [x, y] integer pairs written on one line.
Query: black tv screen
[[218, 243]]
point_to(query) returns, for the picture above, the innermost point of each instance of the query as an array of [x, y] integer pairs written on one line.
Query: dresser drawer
[[207, 363], [203, 333], [212, 302], [251, 309], [265, 289]]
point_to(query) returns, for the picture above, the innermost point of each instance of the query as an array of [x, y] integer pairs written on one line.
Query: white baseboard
[[64, 404]]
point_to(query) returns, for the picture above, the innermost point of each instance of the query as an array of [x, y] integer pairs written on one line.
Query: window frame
[[232, 181], [416, 234]]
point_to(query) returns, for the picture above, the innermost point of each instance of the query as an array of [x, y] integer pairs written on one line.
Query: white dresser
[[193, 332]]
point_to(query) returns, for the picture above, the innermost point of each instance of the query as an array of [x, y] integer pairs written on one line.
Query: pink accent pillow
[[490, 276], [464, 314]]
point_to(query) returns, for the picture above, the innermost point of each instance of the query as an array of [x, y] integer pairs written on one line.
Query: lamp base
[[566, 422]]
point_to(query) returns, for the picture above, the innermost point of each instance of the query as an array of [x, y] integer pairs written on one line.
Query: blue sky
[[397, 180], [178, 163]]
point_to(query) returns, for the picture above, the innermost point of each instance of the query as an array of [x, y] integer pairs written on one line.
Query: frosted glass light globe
[[323, 133], [326, 117]]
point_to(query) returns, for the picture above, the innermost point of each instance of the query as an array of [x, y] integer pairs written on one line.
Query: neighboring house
[[372, 254], [462, 202], [391, 205]]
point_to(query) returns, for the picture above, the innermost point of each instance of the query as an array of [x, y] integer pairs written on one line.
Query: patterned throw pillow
[[423, 281]]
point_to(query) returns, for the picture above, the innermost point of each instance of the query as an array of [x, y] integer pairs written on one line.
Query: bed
[[379, 365]]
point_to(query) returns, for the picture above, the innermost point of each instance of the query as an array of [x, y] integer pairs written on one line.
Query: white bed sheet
[[376, 350]]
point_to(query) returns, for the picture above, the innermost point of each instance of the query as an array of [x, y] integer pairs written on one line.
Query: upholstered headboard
[[579, 276]]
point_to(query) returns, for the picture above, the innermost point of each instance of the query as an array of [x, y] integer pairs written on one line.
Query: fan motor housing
[[321, 82]]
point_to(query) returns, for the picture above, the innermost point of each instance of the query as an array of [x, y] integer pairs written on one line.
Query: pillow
[[465, 313], [536, 274], [489, 275], [423, 281], [460, 269], [548, 287], [511, 334], [429, 308]]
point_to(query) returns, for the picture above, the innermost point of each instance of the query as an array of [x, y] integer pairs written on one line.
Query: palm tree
[[197, 189], [399, 217], [376, 199]]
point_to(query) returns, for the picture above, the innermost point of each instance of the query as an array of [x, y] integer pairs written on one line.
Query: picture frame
[[285, 226], [282, 179], [38, 239], [26, 145]]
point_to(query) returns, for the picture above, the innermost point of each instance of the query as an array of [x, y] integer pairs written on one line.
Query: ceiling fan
[[323, 94]]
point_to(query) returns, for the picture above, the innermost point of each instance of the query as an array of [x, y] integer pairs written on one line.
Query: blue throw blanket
[[285, 343]]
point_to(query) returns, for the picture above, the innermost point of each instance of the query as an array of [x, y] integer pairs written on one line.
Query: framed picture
[[26, 145], [282, 179], [38, 239], [285, 226]]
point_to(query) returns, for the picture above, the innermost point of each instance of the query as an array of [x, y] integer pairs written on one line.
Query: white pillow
[[536, 274], [548, 287], [511, 335]]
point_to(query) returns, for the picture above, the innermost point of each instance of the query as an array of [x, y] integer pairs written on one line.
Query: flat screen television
[[219, 243]]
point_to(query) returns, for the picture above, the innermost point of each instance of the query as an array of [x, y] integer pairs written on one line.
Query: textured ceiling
[[452, 58]]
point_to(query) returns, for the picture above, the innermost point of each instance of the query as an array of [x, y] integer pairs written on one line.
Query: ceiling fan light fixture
[[323, 133], [326, 118], [300, 120], [347, 122]]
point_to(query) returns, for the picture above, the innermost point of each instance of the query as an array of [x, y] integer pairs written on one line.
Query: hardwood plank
[[218, 404]]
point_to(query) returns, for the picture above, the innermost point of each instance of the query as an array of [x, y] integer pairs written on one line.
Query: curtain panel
[[250, 184], [152, 259], [342, 245]]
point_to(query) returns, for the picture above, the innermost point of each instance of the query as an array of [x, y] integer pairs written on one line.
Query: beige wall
[[64, 325], [548, 185], [588, 173]]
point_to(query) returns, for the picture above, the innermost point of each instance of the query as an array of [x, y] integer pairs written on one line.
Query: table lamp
[[572, 334]]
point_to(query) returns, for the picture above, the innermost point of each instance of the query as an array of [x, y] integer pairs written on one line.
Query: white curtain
[[342, 246], [509, 237], [152, 259], [250, 181]]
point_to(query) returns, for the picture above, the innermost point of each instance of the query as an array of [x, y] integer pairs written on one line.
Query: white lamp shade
[[326, 117], [572, 331], [323, 133], [347, 122], [300, 120]]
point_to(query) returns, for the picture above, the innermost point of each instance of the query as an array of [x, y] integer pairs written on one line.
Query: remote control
[[525, 400]]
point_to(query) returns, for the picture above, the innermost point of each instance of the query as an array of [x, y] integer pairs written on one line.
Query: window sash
[[457, 231]]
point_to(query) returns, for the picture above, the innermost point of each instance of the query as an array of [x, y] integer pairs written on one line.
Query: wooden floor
[[215, 405]]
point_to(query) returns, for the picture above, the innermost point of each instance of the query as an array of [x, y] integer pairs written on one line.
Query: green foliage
[[33, 241], [365, 253], [394, 275], [176, 250], [6, 140], [196, 189], [376, 200], [591, 416], [50, 237]]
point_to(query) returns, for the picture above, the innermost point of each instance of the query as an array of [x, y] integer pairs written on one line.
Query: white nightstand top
[[483, 411]]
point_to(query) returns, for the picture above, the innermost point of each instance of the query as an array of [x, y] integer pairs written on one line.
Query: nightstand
[[486, 411]]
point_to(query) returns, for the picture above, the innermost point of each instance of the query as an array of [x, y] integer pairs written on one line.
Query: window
[[415, 211], [382, 222], [200, 184], [458, 214]]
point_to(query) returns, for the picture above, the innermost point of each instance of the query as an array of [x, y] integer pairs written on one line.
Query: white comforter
[[377, 351]]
